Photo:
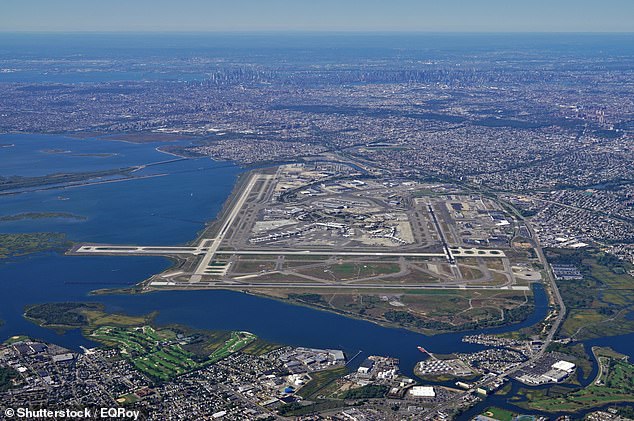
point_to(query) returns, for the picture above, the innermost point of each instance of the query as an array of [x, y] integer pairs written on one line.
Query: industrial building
[[423, 392]]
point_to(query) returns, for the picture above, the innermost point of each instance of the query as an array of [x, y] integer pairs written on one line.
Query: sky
[[317, 15]]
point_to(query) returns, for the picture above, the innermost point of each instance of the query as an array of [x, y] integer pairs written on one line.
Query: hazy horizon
[[487, 16], [312, 32]]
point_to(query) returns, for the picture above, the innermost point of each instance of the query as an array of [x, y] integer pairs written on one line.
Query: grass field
[[20, 244], [156, 353], [599, 302], [470, 273], [321, 380], [362, 270], [14, 339], [246, 266], [100, 318], [349, 270], [237, 341], [499, 414], [428, 311], [260, 347], [160, 353], [86, 316]]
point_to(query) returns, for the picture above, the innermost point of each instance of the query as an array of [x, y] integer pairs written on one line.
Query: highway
[[554, 289], [549, 338]]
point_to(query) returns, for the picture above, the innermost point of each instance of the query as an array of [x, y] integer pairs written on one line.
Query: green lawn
[[597, 303], [498, 414], [320, 380], [161, 353], [149, 350], [237, 341]]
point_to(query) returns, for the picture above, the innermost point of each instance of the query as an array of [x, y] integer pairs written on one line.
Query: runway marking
[[209, 251], [141, 250], [215, 242]]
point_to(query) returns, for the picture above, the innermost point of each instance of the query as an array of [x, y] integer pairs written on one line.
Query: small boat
[[421, 349]]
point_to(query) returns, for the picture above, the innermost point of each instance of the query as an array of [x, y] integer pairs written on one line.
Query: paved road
[[550, 280]]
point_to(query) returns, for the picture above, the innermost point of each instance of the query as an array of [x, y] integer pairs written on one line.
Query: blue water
[[51, 278], [36, 155], [622, 343], [113, 47], [170, 210]]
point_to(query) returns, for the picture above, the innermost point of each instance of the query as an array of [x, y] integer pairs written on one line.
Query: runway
[[210, 251]]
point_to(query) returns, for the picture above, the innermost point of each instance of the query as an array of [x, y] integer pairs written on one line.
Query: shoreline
[[208, 230]]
